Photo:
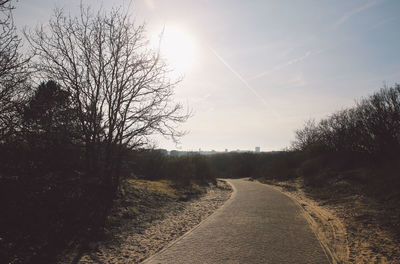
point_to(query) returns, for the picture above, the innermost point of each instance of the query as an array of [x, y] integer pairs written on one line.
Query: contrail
[[243, 81], [353, 12], [283, 65]]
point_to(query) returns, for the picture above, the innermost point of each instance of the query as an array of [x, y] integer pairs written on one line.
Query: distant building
[[257, 149]]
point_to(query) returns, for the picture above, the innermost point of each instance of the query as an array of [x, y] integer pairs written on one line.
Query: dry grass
[[163, 188]]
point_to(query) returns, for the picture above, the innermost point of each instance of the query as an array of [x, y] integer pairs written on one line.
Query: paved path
[[256, 225]]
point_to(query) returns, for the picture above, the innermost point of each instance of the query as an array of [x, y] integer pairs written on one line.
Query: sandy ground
[[350, 229], [133, 242]]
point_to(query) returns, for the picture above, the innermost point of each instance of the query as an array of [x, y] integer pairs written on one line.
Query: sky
[[261, 68]]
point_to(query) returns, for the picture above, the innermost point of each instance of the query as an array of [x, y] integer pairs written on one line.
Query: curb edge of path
[[325, 248], [227, 202]]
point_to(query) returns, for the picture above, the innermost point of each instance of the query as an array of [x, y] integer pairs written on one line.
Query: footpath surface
[[258, 224]]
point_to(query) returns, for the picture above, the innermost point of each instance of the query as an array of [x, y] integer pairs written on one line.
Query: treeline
[[253, 165], [359, 145], [371, 127], [202, 169], [156, 165]]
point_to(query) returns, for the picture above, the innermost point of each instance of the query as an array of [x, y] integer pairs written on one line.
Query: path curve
[[258, 224]]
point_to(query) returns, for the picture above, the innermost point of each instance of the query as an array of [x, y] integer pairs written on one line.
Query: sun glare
[[177, 48]]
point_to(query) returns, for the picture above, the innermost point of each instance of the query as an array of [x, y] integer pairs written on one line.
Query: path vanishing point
[[258, 224]]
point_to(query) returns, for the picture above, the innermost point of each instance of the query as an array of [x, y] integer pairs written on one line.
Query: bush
[[183, 170]]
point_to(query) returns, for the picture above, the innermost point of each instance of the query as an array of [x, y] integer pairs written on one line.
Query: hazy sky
[[263, 67]]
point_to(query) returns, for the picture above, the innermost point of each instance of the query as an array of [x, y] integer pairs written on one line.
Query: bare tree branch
[[13, 70]]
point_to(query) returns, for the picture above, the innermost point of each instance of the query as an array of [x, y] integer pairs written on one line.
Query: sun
[[177, 47]]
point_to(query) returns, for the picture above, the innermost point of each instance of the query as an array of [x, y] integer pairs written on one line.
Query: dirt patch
[[352, 228], [154, 225]]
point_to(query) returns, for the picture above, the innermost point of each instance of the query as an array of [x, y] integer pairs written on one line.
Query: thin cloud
[[355, 11]]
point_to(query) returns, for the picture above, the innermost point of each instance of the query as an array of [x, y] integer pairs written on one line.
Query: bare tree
[[13, 70], [306, 136], [119, 86]]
